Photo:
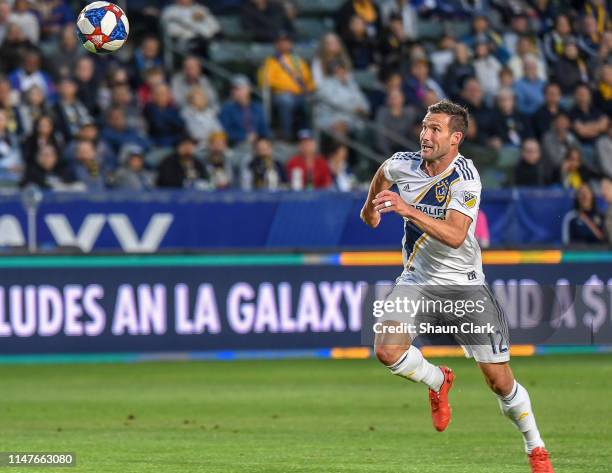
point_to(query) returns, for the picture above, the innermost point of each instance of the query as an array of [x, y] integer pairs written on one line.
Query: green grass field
[[299, 416]]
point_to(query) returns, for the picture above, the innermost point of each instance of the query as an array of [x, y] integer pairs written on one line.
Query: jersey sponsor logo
[[406, 188], [469, 199], [441, 190], [431, 210], [471, 275]]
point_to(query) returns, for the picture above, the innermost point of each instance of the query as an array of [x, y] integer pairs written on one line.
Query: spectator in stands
[[483, 33], [164, 119], [263, 19], [606, 190], [105, 155], [458, 71], [290, 79], [555, 41], [64, 52], [472, 97], [54, 15], [443, 56], [190, 76], [43, 134], [119, 136], [508, 127], [48, 172], [191, 25], [22, 15], [30, 74], [31, 108], [122, 98], [506, 78], [603, 148], [543, 15], [88, 168], [329, 51], [264, 172], [481, 233], [590, 38], [526, 49], [584, 224], [5, 12], [487, 68], [199, 117], [13, 49], [341, 104], [519, 29], [70, 113], [557, 141], [243, 119], [405, 11], [132, 175], [366, 10], [148, 55], [362, 48], [573, 173], [530, 169], [603, 94], [182, 169], [308, 169], [394, 120], [529, 90], [419, 82], [589, 122], [570, 70], [395, 46], [153, 77], [337, 159], [11, 165], [218, 162], [88, 84], [545, 115]]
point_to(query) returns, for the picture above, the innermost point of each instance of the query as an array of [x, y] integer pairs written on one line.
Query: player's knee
[[389, 354]]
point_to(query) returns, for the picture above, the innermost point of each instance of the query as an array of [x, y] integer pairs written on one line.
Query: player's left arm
[[451, 231]]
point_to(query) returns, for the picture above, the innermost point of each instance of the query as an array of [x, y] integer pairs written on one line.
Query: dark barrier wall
[[146, 223], [200, 303]]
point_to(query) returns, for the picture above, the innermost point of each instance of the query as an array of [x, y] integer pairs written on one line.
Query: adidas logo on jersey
[[406, 188]]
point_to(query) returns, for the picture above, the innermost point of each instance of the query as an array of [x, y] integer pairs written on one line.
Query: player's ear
[[456, 138]]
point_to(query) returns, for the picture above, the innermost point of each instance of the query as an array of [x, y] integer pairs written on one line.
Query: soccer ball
[[102, 27]]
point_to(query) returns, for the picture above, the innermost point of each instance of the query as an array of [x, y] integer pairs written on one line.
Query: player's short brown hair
[[458, 115]]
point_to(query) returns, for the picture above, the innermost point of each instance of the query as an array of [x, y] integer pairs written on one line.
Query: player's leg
[[396, 352], [403, 359], [515, 404]]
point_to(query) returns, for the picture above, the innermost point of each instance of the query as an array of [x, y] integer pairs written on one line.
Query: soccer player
[[439, 197]]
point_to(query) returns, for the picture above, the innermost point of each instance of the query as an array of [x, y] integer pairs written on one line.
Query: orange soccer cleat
[[440, 408], [540, 461]]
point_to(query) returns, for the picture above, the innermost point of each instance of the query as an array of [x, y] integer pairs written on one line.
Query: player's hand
[[370, 216], [389, 201]]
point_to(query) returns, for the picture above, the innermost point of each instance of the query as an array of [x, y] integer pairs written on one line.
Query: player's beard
[[436, 154]]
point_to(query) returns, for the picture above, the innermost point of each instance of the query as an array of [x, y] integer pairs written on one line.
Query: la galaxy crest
[[441, 190]]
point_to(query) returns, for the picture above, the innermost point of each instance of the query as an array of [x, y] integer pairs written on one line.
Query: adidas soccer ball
[[102, 27]]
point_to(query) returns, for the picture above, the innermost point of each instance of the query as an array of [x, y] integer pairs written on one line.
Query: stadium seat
[[430, 29], [314, 7], [313, 28], [231, 28]]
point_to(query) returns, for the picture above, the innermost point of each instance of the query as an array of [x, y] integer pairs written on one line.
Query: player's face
[[435, 136]]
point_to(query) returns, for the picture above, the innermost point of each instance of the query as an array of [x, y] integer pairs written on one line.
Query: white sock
[[414, 367], [517, 407]]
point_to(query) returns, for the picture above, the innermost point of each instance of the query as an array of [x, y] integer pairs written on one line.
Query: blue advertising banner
[[192, 303], [191, 220]]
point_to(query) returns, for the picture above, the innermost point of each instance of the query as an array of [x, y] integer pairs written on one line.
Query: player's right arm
[[379, 183]]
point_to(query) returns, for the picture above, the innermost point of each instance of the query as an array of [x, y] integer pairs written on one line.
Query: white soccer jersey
[[427, 260]]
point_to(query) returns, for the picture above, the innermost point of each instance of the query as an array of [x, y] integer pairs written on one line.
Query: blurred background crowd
[[307, 94]]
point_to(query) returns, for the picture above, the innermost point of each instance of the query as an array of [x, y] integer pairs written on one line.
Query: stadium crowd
[[535, 75]]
